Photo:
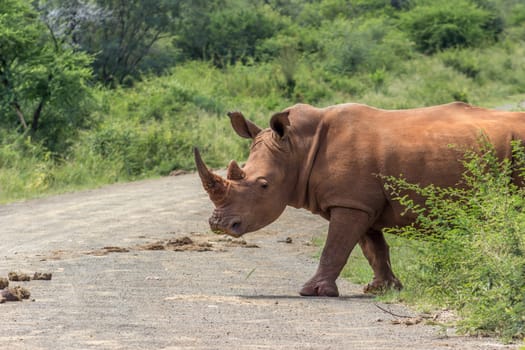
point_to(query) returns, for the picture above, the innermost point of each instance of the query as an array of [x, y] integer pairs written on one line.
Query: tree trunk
[[36, 115], [20, 115], [5, 82]]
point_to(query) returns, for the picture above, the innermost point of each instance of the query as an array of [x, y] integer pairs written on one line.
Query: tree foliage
[[19, 31], [435, 26], [125, 36], [44, 84], [118, 33], [225, 32]]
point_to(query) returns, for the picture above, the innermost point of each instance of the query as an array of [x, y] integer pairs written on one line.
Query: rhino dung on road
[[327, 160]]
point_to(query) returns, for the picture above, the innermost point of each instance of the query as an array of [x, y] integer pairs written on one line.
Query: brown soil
[[178, 245], [152, 246], [178, 172], [410, 321], [106, 251], [236, 242], [182, 244], [53, 255]]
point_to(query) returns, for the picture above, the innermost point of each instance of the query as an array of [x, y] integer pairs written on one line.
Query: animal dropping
[[14, 294], [18, 277], [327, 160], [46, 276]]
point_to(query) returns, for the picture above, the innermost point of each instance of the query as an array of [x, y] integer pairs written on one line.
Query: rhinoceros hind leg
[[376, 250], [380, 287]]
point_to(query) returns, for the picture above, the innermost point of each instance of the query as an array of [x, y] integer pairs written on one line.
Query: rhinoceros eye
[[263, 183]]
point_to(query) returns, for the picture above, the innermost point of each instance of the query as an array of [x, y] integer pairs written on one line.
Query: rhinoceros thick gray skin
[[327, 161]]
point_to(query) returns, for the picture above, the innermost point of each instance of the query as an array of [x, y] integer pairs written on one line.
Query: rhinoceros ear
[[280, 123], [242, 126]]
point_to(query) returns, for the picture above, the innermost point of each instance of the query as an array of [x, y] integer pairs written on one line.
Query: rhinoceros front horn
[[215, 185]]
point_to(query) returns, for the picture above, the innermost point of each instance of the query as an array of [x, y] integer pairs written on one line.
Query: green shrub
[[440, 25], [314, 13], [517, 16], [462, 61], [225, 32], [363, 46], [472, 251]]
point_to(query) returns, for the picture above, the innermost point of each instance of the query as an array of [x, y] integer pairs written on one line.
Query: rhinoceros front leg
[[376, 250], [346, 228]]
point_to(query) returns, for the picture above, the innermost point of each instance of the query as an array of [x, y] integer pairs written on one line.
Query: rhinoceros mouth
[[230, 225]]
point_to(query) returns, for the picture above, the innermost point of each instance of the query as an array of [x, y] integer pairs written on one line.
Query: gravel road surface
[[135, 267]]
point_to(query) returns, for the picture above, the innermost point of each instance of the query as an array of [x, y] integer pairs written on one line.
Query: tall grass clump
[[24, 166], [28, 169], [470, 254]]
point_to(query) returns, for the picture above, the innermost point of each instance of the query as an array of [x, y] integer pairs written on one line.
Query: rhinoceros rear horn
[[213, 184], [235, 172]]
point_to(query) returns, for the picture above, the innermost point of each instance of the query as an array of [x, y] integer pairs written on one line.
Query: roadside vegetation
[[466, 251], [470, 250], [100, 91]]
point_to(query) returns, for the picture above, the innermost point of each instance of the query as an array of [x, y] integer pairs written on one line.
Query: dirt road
[[135, 267]]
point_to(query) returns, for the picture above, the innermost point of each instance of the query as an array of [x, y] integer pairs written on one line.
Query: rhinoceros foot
[[319, 289], [378, 287]]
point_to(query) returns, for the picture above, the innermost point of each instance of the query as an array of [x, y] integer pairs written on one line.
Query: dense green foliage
[[96, 91]]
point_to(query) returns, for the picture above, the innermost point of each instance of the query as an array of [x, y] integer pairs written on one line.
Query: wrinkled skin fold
[[327, 160]]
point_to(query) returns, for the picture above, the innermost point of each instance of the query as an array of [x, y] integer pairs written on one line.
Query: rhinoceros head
[[255, 195]]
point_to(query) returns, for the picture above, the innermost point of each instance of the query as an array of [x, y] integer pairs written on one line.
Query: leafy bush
[[235, 32], [356, 46], [313, 13], [225, 32], [462, 61], [440, 25], [517, 16], [472, 256]]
